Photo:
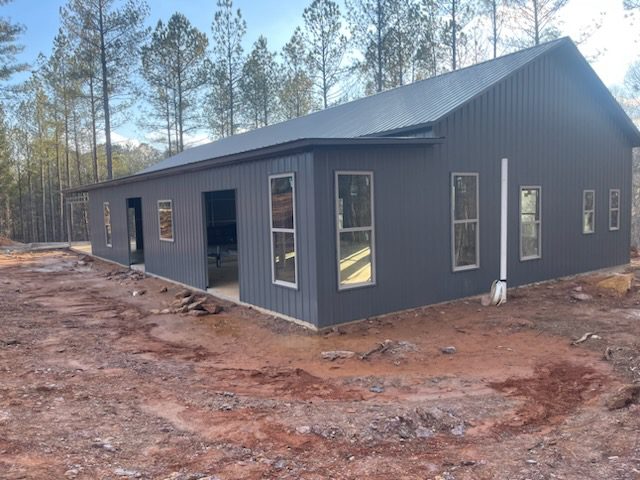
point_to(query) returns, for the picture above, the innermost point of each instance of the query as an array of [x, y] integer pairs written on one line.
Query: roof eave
[[261, 153]]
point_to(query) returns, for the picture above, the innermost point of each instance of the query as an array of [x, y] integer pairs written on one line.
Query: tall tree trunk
[[20, 202], [179, 118], [494, 24], [66, 130], [454, 34], [76, 145], [54, 236], [232, 127], [33, 227], [59, 172], [379, 50], [168, 113], [536, 22], [44, 200], [105, 92], [175, 118], [324, 75], [94, 137]]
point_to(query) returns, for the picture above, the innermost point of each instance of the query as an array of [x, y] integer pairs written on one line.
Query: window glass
[[283, 237], [107, 223], [354, 201], [465, 222], [465, 187], [465, 244], [284, 257], [355, 258], [282, 202], [354, 210], [614, 209], [588, 211], [530, 225], [165, 218]]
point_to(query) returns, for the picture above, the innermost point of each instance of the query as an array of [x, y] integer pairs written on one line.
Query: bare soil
[[95, 386], [6, 242]]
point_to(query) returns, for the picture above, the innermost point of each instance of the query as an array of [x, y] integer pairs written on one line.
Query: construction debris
[[581, 297], [380, 348], [585, 337], [335, 354]]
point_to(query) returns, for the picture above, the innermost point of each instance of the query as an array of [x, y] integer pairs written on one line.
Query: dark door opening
[[134, 224], [222, 242]]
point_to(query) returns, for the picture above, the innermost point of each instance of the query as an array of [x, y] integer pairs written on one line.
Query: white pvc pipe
[[504, 185], [498, 294]]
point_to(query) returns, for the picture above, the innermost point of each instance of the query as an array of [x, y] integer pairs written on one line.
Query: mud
[[94, 386]]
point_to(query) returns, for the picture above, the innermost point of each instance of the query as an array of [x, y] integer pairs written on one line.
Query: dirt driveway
[[93, 385]]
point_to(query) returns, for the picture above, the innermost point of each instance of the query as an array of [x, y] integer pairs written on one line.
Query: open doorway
[[134, 227], [222, 243]]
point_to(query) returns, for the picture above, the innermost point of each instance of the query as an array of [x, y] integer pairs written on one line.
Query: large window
[[588, 211], [165, 220], [530, 223], [282, 204], [465, 221], [614, 209], [355, 233], [106, 212]]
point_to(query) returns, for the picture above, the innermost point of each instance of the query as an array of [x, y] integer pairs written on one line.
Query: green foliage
[[228, 30], [10, 48], [175, 67], [326, 45], [259, 85], [296, 79]]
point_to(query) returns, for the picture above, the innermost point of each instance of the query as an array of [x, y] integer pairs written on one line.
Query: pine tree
[[228, 30], [404, 43], [371, 23], [295, 93], [430, 53], [259, 84], [114, 35], [457, 14], [9, 48], [174, 66], [494, 10], [537, 20], [326, 45]]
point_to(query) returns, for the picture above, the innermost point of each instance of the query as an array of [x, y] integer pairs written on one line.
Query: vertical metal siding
[[184, 259], [556, 133]]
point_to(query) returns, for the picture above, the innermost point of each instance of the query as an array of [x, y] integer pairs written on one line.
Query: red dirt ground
[[95, 386]]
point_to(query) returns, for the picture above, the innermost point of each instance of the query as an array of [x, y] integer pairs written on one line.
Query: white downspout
[[498, 294]]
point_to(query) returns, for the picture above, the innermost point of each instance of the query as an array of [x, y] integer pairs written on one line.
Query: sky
[[617, 41]]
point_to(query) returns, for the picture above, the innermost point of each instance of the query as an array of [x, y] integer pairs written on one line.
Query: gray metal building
[[391, 201]]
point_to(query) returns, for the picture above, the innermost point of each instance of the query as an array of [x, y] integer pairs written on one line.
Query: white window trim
[[455, 222], [339, 230], [273, 230], [585, 211], [539, 221], [173, 236], [617, 210], [110, 245]]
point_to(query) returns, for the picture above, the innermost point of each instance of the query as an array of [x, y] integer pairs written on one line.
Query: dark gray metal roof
[[302, 144], [419, 103]]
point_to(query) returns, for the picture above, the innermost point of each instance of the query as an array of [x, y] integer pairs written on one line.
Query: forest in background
[[106, 67]]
